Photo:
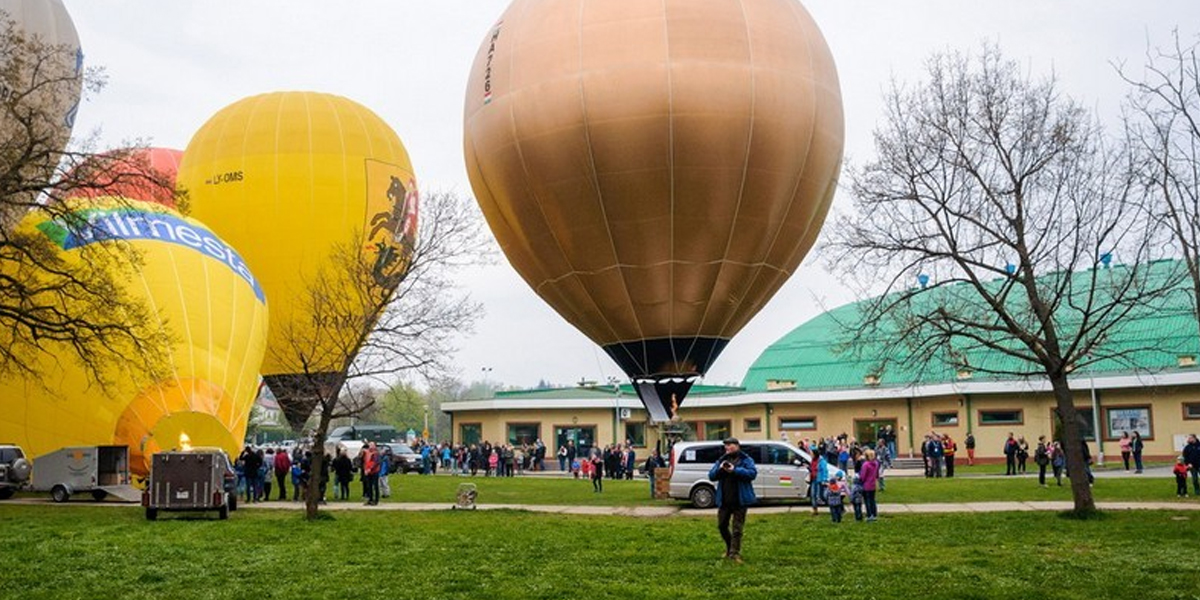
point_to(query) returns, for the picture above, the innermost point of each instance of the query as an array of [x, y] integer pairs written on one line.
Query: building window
[[1191, 411], [1129, 418], [635, 433], [523, 433], [945, 419], [1001, 417], [798, 424], [752, 425], [717, 430], [470, 433]]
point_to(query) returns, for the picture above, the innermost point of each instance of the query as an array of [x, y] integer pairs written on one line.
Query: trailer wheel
[[99, 495], [224, 512], [6, 493], [232, 501], [151, 514], [60, 494]]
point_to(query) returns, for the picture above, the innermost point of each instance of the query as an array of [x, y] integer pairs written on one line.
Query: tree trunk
[[311, 502], [1081, 489]]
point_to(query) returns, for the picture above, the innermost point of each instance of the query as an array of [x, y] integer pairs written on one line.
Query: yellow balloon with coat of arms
[[288, 178], [215, 316]]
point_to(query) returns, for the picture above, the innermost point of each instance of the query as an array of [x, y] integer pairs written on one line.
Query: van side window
[[703, 454], [780, 455], [754, 452]]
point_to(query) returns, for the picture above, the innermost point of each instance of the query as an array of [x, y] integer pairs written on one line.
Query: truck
[[101, 471], [190, 480]]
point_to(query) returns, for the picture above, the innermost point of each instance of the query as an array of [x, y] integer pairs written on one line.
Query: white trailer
[[99, 470]]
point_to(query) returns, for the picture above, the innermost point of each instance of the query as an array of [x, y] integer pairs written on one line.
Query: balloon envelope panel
[[286, 178], [655, 170], [216, 316], [146, 174]]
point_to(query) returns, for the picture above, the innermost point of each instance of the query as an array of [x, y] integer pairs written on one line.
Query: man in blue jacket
[[733, 473]]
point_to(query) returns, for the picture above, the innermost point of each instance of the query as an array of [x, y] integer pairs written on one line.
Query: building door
[[866, 431], [584, 438]]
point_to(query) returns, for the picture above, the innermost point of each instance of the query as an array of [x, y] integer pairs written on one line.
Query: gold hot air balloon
[[655, 170], [215, 315], [287, 178]]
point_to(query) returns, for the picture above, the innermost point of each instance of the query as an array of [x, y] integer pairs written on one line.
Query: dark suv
[[14, 470]]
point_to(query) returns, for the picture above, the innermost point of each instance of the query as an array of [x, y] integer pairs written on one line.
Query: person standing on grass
[[870, 477], [385, 469], [562, 458], [653, 463], [370, 468], [630, 464], [1010, 455], [1191, 457], [814, 481], [835, 497], [251, 462], [597, 461], [1180, 470], [1058, 460], [282, 467], [1041, 457], [970, 444], [949, 449], [343, 471], [264, 472], [1125, 443], [1022, 454], [734, 473], [1136, 446]]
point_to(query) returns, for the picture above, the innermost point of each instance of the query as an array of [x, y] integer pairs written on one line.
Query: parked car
[[14, 470], [352, 437], [782, 471], [404, 458]]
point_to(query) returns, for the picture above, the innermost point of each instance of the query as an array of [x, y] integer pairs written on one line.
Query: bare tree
[[49, 301], [1163, 123], [1002, 196], [376, 326]]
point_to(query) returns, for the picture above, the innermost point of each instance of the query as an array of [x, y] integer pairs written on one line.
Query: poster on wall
[[1121, 420]]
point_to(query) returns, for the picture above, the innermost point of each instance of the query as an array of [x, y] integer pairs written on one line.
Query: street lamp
[[616, 383]]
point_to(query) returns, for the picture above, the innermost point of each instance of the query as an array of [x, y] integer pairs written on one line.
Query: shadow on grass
[[1083, 515]]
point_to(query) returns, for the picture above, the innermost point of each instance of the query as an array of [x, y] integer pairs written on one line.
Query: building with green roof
[[819, 380]]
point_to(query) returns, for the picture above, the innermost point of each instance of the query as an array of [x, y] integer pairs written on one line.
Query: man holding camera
[[733, 473]]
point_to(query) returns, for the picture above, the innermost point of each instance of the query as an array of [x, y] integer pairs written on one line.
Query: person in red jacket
[[1181, 472], [283, 468], [370, 468]]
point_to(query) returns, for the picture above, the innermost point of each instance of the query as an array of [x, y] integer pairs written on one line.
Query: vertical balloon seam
[[537, 199], [312, 165], [671, 177], [791, 203], [370, 154], [741, 195], [595, 177], [208, 305], [255, 319], [335, 112], [212, 147], [170, 346], [183, 306]]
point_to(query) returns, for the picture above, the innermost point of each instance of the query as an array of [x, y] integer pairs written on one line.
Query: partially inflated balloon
[[211, 306], [655, 170], [146, 174], [304, 174]]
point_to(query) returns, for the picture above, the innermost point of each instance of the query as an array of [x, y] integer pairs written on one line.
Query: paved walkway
[[675, 511]]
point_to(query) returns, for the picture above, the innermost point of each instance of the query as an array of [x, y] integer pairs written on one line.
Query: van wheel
[[60, 494], [703, 497], [99, 495]]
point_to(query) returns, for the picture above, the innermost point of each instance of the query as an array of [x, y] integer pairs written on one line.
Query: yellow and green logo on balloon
[[206, 299]]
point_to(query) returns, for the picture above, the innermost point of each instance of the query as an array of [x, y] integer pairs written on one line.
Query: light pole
[[616, 383], [486, 386]]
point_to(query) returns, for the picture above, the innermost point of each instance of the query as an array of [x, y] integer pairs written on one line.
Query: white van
[[782, 471]]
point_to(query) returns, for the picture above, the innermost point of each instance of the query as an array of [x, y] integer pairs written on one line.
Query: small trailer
[[102, 471], [188, 481]]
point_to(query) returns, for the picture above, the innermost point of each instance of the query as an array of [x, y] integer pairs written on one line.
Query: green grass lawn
[[57, 552], [551, 490]]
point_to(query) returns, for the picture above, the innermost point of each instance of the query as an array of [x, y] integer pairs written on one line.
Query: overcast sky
[[171, 65]]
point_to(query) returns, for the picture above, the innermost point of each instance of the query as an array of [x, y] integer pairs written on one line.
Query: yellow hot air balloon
[[213, 310], [41, 90], [655, 171], [289, 178]]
